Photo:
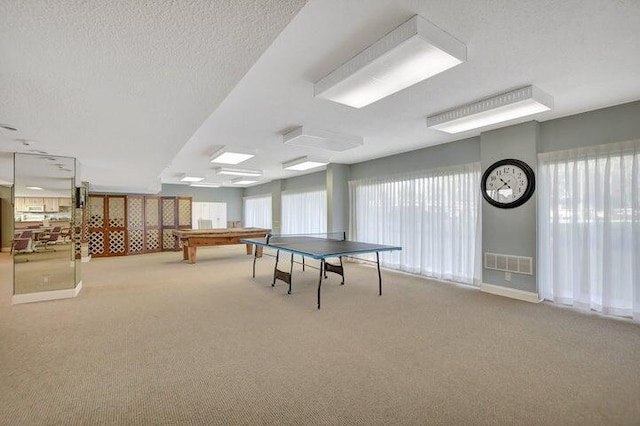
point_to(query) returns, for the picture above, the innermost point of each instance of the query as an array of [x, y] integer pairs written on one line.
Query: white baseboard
[[85, 259], [513, 293], [46, 295]]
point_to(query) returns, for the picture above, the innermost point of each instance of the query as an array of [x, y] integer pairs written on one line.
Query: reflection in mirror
[[43, 254]]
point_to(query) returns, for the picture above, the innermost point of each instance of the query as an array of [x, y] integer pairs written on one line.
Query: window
[[257, 212], [589, 228], [433, 215], [304, 212]]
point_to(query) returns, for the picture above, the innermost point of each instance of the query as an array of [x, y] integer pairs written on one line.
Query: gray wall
[[304, 182], [337, 198], [510, 231], [264, 189], [231, 196], [450, 154], [6, 221], [514, 231], [614, 124]]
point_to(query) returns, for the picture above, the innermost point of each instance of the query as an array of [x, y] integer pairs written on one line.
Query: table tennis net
[[295, 238]]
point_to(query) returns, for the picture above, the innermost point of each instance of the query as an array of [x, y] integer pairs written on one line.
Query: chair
[[205, 224], [49, 239], [56, 229], [39, 238], [26, 234], [20, 246]]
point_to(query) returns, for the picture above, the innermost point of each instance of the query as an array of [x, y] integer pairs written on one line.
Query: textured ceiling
[[135, 90], [122, 84]]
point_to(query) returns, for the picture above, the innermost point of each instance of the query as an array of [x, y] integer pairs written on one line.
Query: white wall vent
[[504, 262]]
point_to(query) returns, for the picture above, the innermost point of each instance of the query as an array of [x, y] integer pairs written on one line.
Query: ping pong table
[[316, 247]]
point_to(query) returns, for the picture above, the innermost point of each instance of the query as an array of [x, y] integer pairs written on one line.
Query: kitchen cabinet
[[19, 204], [64, 202], [51, 205], [33, 201]]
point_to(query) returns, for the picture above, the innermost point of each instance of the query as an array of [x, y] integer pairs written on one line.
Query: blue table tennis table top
[[317, 247]]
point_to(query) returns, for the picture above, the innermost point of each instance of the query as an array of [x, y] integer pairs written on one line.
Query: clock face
[[508, 183]]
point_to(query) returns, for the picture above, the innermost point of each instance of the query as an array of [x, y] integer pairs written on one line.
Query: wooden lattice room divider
[[135, 224], [152, 227], [169, 222], [121, 225]]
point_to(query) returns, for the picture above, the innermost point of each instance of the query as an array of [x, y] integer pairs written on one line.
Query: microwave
[[35, 209]]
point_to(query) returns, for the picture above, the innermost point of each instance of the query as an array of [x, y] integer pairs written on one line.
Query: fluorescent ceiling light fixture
[[503, 107], [205, 185], [185, 178], [37, 188], [231, 157], [237, 172], [413, 52], [304, 136], [244, 181], [302, 163]]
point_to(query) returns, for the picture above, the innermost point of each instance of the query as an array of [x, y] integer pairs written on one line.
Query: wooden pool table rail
[[191, 239]]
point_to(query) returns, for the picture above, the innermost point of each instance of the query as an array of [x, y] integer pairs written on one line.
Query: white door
[[209, 215]]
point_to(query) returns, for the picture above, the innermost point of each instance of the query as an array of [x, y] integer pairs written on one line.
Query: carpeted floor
[[151, 340]]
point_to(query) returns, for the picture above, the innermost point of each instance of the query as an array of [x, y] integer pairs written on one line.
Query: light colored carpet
[[152, 340]]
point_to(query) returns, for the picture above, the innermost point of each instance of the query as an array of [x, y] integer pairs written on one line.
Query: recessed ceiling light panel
[[185, 178], [234, 156], [244, 181], [414, 51], [205, 185], [304, 136], [507, 106], [302, 164], [237, 172]]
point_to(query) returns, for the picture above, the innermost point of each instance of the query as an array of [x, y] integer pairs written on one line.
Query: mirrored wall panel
[[44, 209]]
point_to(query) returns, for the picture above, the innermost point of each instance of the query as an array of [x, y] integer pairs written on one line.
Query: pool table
[[191, 239]]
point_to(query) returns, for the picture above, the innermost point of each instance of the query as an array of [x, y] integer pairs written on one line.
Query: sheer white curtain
[[257, 212], [589, 228], [304, 212], [434, 216]]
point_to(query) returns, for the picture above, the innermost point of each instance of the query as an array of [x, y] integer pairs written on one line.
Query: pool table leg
[[185, 252], [191, 253], [249, 249]]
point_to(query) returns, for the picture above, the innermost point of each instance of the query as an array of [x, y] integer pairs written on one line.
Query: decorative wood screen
[[169, 223], [119, 225], [78, 229], [152, 224], [135, 223], [96, 225], [184, 212]]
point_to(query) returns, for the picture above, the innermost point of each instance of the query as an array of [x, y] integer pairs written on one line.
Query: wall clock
[[508, 183]]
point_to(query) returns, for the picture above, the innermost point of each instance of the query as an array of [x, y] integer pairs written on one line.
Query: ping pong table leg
[[255, 256], [291, 273], [342, 269], [379, 276], [275, 268], [320, 280]]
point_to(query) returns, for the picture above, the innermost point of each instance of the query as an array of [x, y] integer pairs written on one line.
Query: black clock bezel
[[531, 183]]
